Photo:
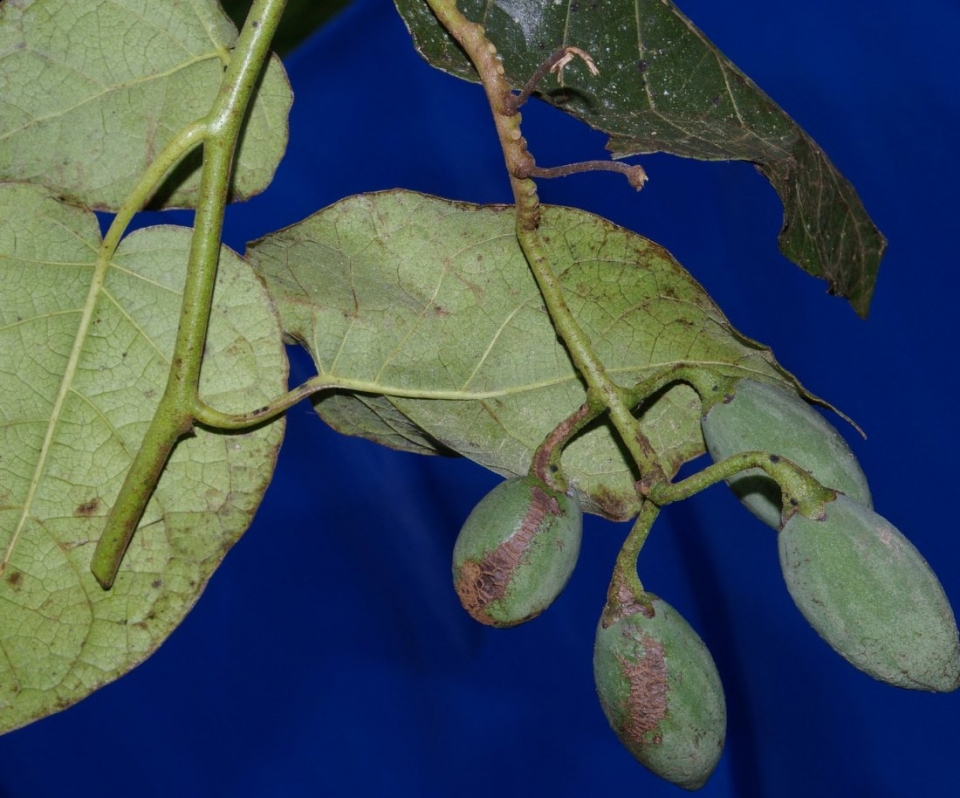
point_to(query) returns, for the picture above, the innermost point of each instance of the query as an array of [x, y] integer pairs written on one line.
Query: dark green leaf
[[664, 87]]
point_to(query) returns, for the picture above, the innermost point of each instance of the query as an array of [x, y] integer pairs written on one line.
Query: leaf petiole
[[801, 491], [150, 181]]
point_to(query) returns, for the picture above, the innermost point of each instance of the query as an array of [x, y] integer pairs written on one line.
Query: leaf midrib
[[96, 286]]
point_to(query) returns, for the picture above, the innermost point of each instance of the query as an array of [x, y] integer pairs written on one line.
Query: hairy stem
[[220, 132], [801, 491], [546, 460], [625, 595]]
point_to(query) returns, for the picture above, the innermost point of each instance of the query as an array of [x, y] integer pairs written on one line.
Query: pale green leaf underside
[[665, 87], [61, 635], [92, 91], [404, 293]]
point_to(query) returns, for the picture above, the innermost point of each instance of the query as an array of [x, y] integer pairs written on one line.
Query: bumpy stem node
[[520, 165]]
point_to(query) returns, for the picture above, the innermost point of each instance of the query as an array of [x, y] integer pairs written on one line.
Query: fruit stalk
[[626, 595]]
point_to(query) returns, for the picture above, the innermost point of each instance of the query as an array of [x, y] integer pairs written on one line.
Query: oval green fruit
[[870, 594], [516, 551], [762, 417], [661, 693]]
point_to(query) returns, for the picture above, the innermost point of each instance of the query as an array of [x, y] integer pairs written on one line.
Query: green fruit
[[661, 693], [870, 594], [761, 417], [516, 551]]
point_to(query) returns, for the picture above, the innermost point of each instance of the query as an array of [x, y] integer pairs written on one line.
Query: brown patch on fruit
[[622, 602], [647, 702], [543, 504], [480, 584], [630, 604]]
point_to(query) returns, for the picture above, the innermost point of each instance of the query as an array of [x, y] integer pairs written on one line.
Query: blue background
[[329, 655]]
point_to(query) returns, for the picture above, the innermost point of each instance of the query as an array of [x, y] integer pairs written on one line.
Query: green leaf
[[91, 92], [300, 19], [74, 406], [425, 315], [664, 87]]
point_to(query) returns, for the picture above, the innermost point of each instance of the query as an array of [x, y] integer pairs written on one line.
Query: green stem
[[176, 150], [800, 489], [601, 390], [546, 459], [211, 417], [626, 595], [220, 132]]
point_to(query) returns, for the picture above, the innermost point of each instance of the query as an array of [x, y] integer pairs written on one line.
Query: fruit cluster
[[857, 580]]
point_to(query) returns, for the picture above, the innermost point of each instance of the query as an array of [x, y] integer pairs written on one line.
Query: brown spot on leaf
[[88, 508], [615, 507], [15, 579]]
